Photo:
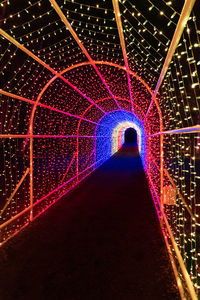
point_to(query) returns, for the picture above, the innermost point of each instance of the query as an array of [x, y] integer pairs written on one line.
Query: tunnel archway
[[130, 136]]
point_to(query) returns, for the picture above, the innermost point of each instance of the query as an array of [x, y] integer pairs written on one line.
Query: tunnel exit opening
[[130, 136]]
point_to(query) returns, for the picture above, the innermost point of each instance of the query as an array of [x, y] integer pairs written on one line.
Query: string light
[[59, 163]]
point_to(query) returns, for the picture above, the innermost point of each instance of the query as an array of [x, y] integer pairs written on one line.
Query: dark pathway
[[102, 242]]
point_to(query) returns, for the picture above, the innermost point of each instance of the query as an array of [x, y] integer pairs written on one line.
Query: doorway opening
[[130, 136]]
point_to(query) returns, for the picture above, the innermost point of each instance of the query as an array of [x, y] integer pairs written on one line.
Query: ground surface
[[101, 242]]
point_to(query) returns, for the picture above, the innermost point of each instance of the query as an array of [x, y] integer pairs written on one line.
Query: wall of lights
[[74, 76]]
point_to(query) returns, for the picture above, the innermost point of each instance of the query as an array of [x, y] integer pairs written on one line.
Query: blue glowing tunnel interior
[[105, 129]]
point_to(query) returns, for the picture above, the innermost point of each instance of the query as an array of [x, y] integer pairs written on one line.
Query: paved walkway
[[101, 242]]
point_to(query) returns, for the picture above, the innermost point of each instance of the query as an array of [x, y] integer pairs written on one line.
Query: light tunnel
[[60, 145], [74, 76]]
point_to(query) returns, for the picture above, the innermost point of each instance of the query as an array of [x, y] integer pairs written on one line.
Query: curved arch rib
[[97, 62]]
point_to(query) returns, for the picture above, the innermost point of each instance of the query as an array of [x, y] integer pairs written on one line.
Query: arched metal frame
[[43, 91]]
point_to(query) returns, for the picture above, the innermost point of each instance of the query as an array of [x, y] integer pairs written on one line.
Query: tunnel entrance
[[130, 136]]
